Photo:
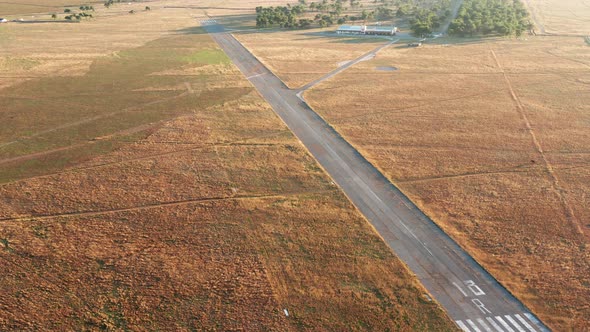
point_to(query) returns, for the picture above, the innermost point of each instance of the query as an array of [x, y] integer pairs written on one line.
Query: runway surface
[[469, 294]]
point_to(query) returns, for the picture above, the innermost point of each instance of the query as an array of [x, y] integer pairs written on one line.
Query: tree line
[[423, 18], [76, 16], [485, 17], [328, 12], [423, 15]]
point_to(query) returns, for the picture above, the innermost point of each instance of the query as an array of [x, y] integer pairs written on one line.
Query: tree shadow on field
[[231, 23], [310, 34]]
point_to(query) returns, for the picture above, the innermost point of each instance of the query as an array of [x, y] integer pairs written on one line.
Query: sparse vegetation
[[77, 16]]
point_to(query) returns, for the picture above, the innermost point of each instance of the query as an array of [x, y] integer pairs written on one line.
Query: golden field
[[488, 136], [493, 146], [301, 57], [145, 185], [564, 17]]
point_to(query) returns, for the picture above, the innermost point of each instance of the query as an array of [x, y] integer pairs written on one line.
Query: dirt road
[[367, 56], [470, 295]]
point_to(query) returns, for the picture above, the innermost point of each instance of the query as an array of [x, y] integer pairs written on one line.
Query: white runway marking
[[474, 288], [527, 325], [473, 326], [511, 320], [257, 75], [506, 326], [462, 326], [508, 323], [460, 289], [484, 325], [494, 324]]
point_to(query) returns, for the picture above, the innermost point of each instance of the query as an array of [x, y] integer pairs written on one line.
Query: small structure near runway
[[367, 30]]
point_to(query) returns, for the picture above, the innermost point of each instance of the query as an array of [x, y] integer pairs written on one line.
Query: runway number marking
[[481, 306], [474, 288], [477, 291], [460, 289]]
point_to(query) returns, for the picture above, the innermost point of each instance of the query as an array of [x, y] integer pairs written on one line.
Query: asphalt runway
[[469, 294]]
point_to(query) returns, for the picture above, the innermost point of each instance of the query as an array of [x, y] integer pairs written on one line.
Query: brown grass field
[[145, 185], [302, 56], [494, 147], [488, 136]]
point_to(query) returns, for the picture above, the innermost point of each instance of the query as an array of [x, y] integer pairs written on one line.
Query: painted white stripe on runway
[[524, 322], [506, 326], [494, 324], [514, 323], [484, 325], [534, 320], [460, 289], [462, 326], [473, 326], [255, 75]]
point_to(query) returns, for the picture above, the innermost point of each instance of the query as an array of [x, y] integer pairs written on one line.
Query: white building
[[367, 30]]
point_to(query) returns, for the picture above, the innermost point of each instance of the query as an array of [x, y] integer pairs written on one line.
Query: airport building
[[367, 30]]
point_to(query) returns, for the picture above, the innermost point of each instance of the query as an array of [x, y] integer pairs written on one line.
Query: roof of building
[[358, 28], [367, 27], [379, 28]]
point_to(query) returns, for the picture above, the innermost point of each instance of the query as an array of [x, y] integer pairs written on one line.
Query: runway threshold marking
[[257, 75], [508, 323]]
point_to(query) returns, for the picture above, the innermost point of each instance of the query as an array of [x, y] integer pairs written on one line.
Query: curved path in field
[[469, 294]]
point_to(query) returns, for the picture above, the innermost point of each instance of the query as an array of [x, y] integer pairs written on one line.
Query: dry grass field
[[217, 220], [569, 17], [300, 56], [145, 185], [491, 140], [36, 7]]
